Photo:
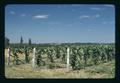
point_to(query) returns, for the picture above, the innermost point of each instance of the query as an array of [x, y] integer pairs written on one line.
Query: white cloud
[[40, 16], [108, 22], [89, 17], [84, 16], [23, 15], [95, 8], [109, 5], [97, 16], [12, 12]]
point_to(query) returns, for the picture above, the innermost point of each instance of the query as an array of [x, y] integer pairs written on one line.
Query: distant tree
[[21, 40], [29, 41], [7, 42]]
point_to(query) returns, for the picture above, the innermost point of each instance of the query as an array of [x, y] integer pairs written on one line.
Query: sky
[[60, 23]]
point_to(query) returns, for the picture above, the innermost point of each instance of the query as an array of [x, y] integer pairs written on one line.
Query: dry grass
[[106, 70]]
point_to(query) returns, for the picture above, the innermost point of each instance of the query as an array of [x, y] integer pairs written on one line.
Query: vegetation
[[21, 40], [82, 57], [30, 42], [104, 70]]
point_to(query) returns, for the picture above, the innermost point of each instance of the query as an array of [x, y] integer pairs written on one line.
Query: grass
[[106, 70]]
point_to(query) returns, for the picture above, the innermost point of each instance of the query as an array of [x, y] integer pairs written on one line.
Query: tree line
[[7, 42]]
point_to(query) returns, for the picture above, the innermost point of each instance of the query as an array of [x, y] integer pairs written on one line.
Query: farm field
[[98, 64]]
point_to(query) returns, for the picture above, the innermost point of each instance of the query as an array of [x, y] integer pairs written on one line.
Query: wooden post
[[8, 56], [33, 60], [68, 58]]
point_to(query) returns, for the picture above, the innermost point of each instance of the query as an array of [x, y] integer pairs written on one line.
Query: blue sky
[[57, 23]]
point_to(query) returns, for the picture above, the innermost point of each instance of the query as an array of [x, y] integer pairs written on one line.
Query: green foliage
[[81, 56], [21, 40], [27, 59], [39, 60], [29, 42]]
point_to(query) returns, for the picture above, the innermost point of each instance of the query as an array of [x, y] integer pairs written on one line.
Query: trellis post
[[68, 58], [8, 56], [33, 59]]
